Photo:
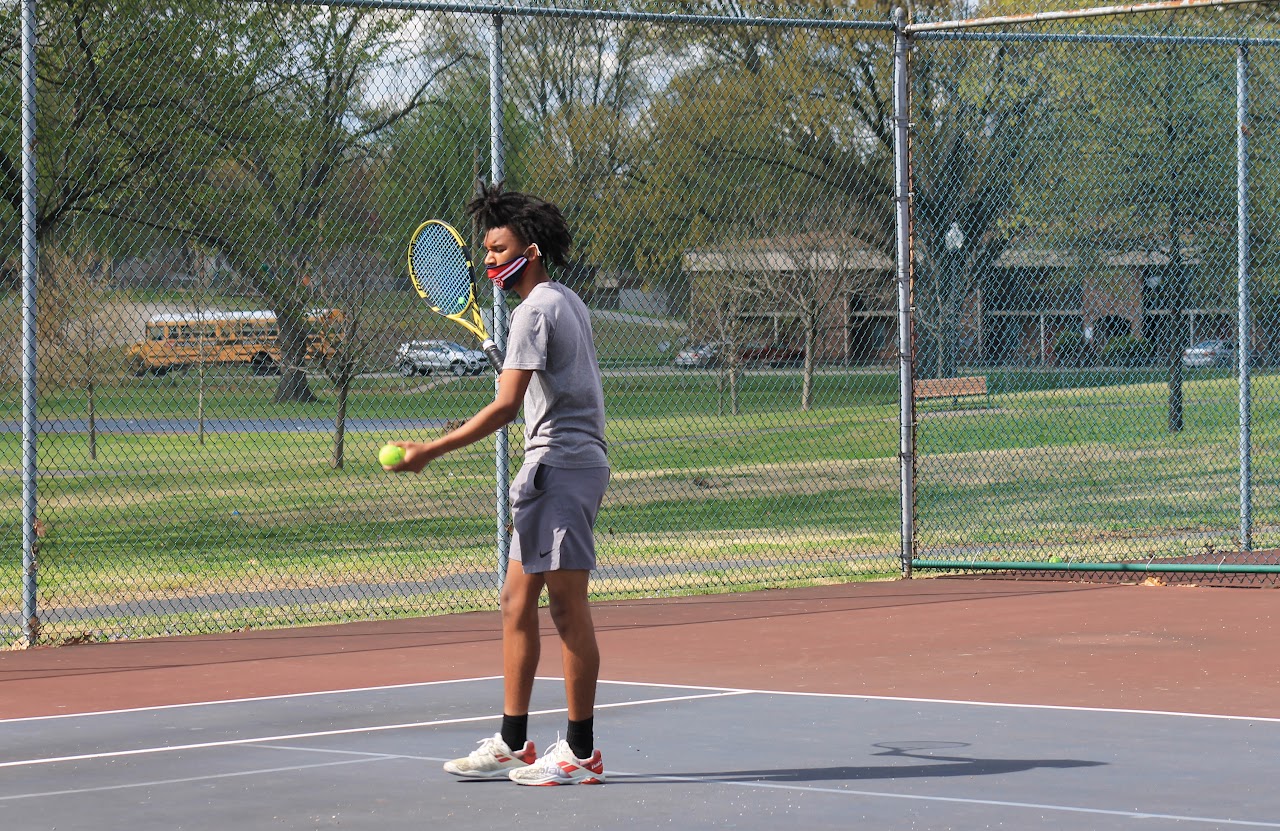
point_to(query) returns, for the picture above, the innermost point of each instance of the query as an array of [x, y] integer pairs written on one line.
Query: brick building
[[760, 284], [1033, 298]]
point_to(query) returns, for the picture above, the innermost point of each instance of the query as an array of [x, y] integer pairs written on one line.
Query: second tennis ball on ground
[[390, 455]]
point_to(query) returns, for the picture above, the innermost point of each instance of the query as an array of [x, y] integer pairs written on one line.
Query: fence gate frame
[[905, 36]]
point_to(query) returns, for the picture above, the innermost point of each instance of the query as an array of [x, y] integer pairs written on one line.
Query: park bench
[[953, 388]]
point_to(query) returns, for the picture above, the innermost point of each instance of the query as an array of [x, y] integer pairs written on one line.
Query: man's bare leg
[[521, 638], [497, 757], [571, 613]]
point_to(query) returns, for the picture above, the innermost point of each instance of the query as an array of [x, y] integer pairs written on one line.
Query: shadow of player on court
[[930, 765]]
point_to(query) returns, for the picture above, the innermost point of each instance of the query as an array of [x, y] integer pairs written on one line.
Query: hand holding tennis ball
[[390, 455]]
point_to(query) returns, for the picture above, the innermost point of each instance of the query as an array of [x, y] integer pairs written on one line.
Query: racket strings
[[441, 270]]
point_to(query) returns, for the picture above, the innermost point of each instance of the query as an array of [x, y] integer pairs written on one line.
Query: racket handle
[[495, 355]]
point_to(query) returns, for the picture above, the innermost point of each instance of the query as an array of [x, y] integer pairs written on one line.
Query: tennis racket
[[441, 273]]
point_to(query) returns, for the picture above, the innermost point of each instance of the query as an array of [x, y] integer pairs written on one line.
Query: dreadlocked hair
[[532, 220]]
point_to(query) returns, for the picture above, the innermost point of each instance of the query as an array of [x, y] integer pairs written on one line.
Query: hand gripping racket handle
[[495, 354]]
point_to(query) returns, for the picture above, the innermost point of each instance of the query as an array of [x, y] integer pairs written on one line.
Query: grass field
[[160, 533], [1093, 473]]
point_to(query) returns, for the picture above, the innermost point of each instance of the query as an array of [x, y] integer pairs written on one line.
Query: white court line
[[188, 779], [997, 803], [856, 696], [965, 702], [705, 692], [158, 707], [377, 728], [365, 756]]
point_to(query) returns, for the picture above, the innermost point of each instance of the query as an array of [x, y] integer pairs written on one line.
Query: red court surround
[[1176, 648]]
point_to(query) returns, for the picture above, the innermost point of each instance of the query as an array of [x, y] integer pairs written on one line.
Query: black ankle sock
[[581, 737], [515, 731]]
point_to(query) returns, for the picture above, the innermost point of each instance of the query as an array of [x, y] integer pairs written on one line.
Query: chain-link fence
[[1095, 240], [227, 333], [223, 332]]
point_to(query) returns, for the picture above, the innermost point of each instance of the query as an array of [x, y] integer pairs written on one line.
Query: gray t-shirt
[[564, 405]]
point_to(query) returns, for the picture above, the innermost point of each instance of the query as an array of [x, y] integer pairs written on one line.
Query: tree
[[74, 328], [815, 283], [356, 339], [1173, 207], [119, 85], [246, 134], [1151, 172], [580, 92], [315, 132], [727, 320], [778, 139], [983, 132], [431, 160]]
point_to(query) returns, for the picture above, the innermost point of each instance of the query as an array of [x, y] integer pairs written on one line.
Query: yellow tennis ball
[[390, 455]]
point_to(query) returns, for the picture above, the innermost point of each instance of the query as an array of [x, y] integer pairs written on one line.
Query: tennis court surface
[[925, 704]]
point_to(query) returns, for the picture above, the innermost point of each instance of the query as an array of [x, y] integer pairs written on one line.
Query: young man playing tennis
[[551, 368]]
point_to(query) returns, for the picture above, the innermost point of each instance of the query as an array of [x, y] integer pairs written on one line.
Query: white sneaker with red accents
[[560, 767], [492, 760]]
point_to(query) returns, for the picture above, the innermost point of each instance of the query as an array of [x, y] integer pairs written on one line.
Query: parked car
[[478, 354], [1210, 353], [426, 357], [700, 356], [754, 353]]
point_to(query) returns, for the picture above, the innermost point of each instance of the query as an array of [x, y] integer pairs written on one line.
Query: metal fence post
[[906, 336], [30, 268], [1244, 338], [497, 172]]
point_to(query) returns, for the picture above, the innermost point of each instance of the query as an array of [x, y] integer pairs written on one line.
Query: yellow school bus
[[177, 341]]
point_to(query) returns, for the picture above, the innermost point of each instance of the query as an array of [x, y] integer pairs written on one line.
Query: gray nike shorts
[[553, 512]]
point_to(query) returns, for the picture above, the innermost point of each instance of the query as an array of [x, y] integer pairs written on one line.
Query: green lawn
[[701, 499]]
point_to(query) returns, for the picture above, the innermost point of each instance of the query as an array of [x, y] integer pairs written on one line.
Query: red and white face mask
[[505, 275]]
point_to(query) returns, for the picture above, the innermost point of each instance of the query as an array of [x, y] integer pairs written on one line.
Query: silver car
[[1209, 353], [427, 357], [478, 354], [699, 357]]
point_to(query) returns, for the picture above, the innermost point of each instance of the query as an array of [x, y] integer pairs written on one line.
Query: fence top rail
[[1074, 14], [596, 14], [1119, 39]]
